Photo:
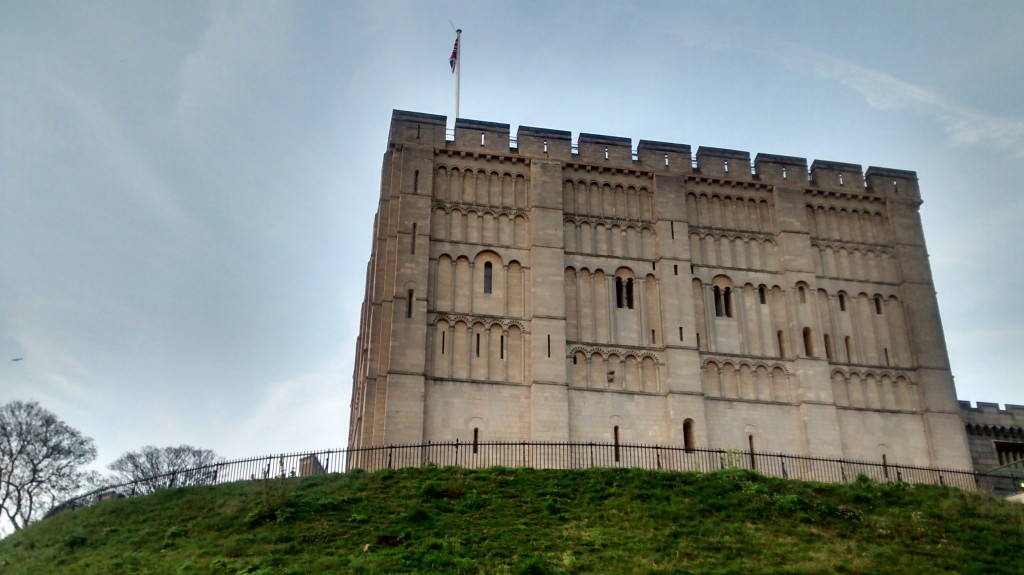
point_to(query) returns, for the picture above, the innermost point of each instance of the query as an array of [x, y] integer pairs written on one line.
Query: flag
[[455, 55]]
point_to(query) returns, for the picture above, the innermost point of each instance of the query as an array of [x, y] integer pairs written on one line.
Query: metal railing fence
[[555, 455]]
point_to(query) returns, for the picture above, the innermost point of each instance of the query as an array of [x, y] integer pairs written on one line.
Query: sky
[[187, 189]]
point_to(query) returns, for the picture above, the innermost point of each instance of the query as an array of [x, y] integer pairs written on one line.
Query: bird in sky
[[18, 359]]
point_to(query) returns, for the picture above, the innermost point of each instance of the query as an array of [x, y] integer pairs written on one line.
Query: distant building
[[996, 436], [534, 289]]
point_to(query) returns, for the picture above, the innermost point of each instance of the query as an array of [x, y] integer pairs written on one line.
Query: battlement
[[993, 409], [661, 157]]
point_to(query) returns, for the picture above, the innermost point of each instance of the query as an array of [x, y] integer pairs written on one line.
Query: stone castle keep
[[532, 289]]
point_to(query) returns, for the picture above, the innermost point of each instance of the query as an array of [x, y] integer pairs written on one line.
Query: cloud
[[880, 91]]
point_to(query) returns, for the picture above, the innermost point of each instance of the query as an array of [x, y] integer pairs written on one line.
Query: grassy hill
[[446, 520]]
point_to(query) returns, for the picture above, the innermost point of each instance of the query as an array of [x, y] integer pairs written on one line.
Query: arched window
[[878, 305], [849, 350], [828, 347], [803, 294], [620, 296], [842, 302], [616, 431], [808, 343], [762, 296], [629, 293], [488, 275], [782, 343], [718, 301], [476, 439], [727, 301]]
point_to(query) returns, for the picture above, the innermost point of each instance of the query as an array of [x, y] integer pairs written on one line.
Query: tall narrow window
[[803, 294], [878, 305], [616, 433], [828, 347], [545, 146], [675, 269], [782, 343], [840, 179], [698, 341], [619, 293], [476, 439], [727, 301], [416, 182], [408, 304], [501, 352], [412, 248], [750, 443], [442, 343], [654, 338], [886, 350], [672, 229], [688, 442], [808, 343], [478, 345], [842, 302], [629, 293], [549, 345], [849, 350], [666, 159], [784, 173], [718, 301], [680, 333], [725, 166], [488, 274], [762, 296]]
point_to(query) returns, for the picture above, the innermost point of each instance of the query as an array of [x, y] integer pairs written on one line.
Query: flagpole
[[458, 66]]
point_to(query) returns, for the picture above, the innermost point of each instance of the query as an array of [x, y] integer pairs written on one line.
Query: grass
[[524, 521]]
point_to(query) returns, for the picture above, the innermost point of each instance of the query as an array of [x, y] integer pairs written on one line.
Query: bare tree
[[154, 468], [40, 461]]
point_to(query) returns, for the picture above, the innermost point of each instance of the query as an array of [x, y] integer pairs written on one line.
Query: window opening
[[408, 304], [828, 347], [698, 341], [481, 138], [725, 164], [783, 172], [545, 146], [606, 153], [803, 294], [672, 229], [619, 293], [412, 248], [476, 439], [886, 350], [782, 344], [654, 266], [849, 349], [416, 182], [840, 179], [718, 301], [842, 302], [688, 442], [629, 293], [680, 333], [666, 159], [442, 343], [417, 131], [878, 305], [750, 443], [501, 350], [549, 345], [675, 269], [574, 359], [808, 343], [478, 345], [616, 432], [488, 274], [727, 300], [761, 295], [653, 338]]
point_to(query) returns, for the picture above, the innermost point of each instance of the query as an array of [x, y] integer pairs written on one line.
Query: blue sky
[[187, 189]]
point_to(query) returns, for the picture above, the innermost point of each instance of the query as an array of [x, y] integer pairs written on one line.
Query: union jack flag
[[455, 55]]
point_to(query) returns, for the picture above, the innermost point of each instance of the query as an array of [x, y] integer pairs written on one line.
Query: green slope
[[449, 520]]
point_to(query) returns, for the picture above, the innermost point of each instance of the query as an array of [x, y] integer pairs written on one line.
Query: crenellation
[[478, 135], [899, 184], [723, 163], [416, 127], [664, 156], [781, 170], [542, 142], [604, 150], [827, 174]]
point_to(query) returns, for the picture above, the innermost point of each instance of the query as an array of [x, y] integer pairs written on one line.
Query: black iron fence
[[556, 455]]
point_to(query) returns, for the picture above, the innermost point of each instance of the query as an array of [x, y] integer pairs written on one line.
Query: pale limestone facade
[[533, 289]]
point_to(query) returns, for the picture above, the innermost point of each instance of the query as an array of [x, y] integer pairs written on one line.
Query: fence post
[[389, 456], [456, 451], [785, 474], [591, 453]]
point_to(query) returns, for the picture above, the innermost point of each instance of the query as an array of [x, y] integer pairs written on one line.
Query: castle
[[533, 289]]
